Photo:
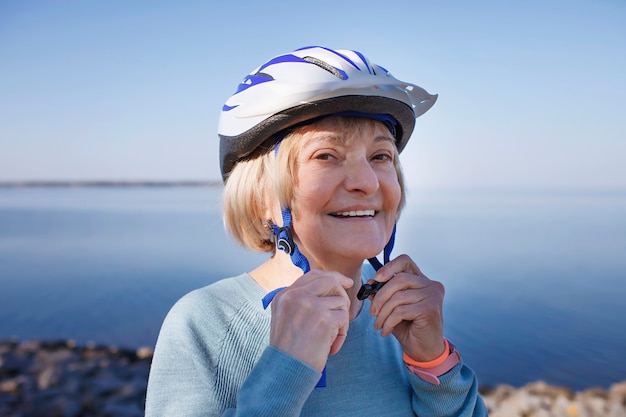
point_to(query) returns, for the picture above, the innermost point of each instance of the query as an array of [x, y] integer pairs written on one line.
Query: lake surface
[[535, 281]]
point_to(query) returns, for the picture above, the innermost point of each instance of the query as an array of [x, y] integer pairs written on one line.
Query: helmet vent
[[326, 66], [263, 74]]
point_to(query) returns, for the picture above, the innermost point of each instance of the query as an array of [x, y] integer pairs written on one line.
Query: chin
[[363, 255]]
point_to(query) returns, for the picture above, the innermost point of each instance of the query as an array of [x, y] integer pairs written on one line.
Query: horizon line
[[220, 183], [109, 183]]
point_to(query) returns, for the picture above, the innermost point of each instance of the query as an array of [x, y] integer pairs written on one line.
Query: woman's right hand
[[310, 317]]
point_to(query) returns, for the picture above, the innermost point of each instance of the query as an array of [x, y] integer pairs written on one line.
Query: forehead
[[345, 130]]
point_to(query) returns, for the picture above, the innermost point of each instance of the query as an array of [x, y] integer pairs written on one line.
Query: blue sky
[[531, 94]]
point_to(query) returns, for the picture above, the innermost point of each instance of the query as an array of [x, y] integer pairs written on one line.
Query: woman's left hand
[[410, 307]]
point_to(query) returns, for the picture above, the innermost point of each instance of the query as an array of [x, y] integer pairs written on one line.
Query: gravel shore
[[61, 379]]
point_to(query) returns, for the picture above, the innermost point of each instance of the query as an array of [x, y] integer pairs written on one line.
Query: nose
[[361, 177]]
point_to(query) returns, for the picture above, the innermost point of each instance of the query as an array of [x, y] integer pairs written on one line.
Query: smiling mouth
[[355, 213]]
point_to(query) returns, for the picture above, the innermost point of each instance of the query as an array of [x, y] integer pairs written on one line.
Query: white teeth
[[357, 213]]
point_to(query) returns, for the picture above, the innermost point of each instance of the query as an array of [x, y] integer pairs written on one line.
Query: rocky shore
[[50, 379]]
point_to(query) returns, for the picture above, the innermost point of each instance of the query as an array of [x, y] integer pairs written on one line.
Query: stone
[[60, 378], [145, 352], [617, 393], [10, 386], [48, 378]]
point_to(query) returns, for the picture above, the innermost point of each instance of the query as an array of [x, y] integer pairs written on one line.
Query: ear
[[267, 227], [271, 212]]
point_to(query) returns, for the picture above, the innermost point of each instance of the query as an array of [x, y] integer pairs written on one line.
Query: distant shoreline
[[108, 184], [218, 183]]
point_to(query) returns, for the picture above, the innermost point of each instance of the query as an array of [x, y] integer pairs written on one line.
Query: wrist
[[432, 363], [435, 368]]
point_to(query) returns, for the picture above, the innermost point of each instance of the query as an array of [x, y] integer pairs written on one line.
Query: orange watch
[[432, 374]]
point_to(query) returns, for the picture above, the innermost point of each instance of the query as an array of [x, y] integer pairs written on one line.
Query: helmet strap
[[284, 235], [285, 242], [386, 252]]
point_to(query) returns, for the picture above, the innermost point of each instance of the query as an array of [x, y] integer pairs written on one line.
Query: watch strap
[[432, 374]]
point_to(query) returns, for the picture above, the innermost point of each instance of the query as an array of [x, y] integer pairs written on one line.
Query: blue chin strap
[[386, 252], [285, 242]]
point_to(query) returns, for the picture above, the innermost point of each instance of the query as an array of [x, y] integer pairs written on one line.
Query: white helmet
[[309, 83]]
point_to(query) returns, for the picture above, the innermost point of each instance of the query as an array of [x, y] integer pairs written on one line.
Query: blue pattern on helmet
[[384, 69], [255, 79], [228, 108], [344, 57], [369, 69], [336, 53], [251, 80], [281, 59]]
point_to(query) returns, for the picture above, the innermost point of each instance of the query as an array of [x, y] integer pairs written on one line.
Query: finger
[[388, 308], [421, 292], [399, 314], [340, 339], [402, 281], [389, 271], [296, 304], [342, 279], [422, 309], [334, 302], [324, 282], [334, 325], [310, 333], [402, 263]]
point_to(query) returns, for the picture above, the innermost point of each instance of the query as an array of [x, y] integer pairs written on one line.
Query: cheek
[[398, 196], [308, 198], [312, 186], [393, 191]]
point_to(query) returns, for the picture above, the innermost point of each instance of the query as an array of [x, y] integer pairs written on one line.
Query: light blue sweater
[[213, 358]]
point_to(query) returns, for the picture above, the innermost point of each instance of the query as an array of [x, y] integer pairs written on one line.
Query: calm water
[[535, 280]]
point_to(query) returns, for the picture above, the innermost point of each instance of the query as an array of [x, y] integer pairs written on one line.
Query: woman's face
[[347, 192]]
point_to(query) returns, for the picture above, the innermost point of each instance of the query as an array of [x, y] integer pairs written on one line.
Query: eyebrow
[[383, 138], [340, 139]]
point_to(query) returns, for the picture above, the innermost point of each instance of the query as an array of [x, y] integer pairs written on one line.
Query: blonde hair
[[255, 184]]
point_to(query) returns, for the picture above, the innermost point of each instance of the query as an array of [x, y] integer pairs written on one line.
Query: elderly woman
[[309, 155]]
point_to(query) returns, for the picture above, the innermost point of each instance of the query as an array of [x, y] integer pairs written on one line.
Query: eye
[[383, 156], [324, 156]]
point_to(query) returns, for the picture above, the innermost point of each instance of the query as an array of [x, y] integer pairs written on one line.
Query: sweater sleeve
[[213, 361], [182, 382], [278, 386], [456, 395], [182, 378]]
